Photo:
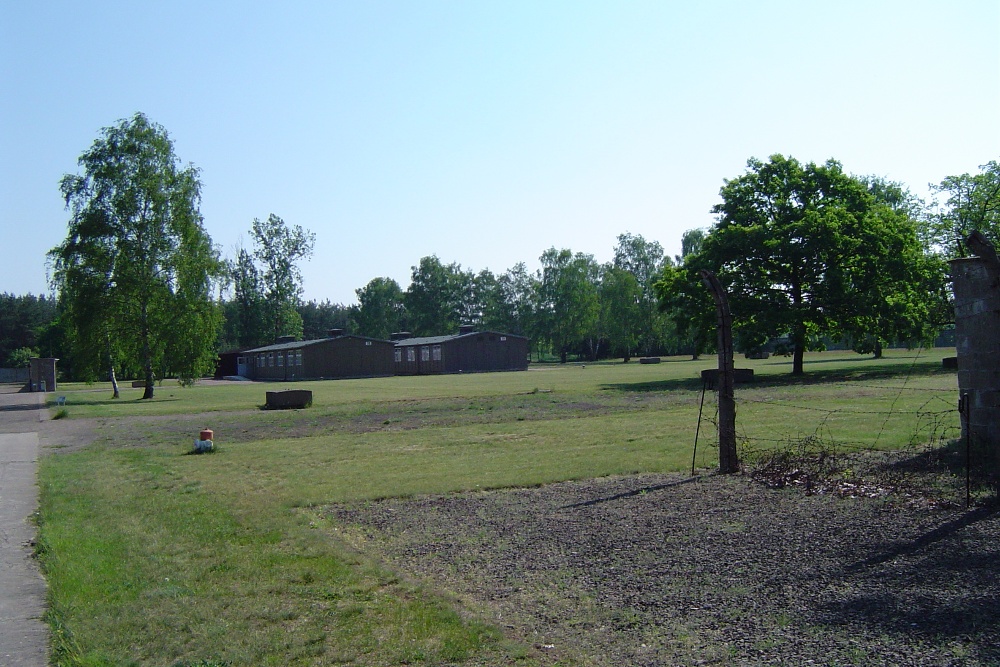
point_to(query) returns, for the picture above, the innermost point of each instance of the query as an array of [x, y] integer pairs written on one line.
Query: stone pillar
[[977, 341]]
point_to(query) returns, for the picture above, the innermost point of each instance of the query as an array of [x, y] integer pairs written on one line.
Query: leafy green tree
[[685, 301], [898, 285], [439, 297], [318, 317], [511, 304], [484, 288], [569, 307], [136, 269], [277, 248], [807, 251], [691, 242], [973, 203], [380, 308], [23, 319], [250, 322], [644, 260], [621, 301], [21, 357]]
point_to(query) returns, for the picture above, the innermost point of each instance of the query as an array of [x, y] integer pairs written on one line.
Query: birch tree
[[136, 269]]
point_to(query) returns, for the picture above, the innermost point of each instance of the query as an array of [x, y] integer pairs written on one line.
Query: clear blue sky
[[483, 132]]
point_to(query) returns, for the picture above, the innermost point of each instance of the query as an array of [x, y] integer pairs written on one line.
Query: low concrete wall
[[710, 376], [290, 399], [14, 375]]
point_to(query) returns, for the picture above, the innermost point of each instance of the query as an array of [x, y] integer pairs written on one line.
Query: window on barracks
[[399, 354], [436, 350], [411, 354], [425, 354]]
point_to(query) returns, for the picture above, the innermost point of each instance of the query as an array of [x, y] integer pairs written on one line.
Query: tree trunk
[[878, 348], [111, 368], [562, 355], [114, 383], [798, 367], [147, 356]]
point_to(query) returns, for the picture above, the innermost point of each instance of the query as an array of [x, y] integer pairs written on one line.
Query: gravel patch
[[676, 570]]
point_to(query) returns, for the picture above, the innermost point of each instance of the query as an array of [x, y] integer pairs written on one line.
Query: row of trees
[[572, 304], [806, 251], [25, 328]]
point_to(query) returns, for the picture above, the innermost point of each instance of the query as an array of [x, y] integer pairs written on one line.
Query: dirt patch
[[69, 435], [674, 570]]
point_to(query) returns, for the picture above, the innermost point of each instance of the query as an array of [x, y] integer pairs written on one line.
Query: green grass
[[95, 400], [155, 557]]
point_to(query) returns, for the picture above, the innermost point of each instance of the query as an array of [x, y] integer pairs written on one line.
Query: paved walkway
[[23, 635]]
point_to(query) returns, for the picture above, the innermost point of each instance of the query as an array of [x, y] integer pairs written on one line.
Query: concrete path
[[23, 635]]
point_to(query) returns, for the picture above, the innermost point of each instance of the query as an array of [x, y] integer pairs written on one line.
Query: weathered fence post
[[728, 460]]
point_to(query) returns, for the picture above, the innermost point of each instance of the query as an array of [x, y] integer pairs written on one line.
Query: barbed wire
[[924, 457]]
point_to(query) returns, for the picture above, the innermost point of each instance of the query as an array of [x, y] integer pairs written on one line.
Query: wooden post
[[728, 460]]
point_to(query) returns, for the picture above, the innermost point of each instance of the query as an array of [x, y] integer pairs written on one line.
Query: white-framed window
[[281, 359], [368, 343], [399, 355], [411, 354], [503, 338], [270, 358], [436, 352], [425, 353], [298, 357]]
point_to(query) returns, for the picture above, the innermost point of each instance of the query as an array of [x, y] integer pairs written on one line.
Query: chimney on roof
[[400, 335], [466, 328], [334, 333], [285, 339]]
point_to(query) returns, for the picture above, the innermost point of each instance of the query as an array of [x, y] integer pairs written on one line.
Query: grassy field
[[157, 557]]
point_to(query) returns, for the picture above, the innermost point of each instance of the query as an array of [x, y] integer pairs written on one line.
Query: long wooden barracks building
[[469, 351], [341, 356]]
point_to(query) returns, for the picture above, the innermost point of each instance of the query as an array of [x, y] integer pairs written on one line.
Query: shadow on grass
[[24, 407], [126, 401], [868, 373]]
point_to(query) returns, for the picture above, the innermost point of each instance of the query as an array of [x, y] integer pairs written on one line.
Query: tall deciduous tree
[[248, 302], [898, 286], [136, 269], [318, 317], [972, 204], [806, 250], [380, 308], [23, 320], [278, 248], [644, 260], [621, 299], [510, 302], [691, 242], [569, 307], [684, 300], [439, 298]]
